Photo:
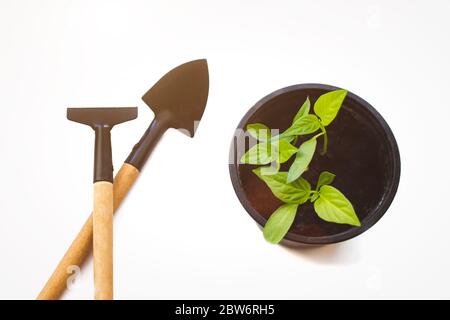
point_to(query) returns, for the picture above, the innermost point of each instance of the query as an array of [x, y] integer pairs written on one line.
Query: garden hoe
[[102, 120], [178, 100]]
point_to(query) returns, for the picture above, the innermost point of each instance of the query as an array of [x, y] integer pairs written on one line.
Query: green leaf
[[279, 150], [288, 139], [327, 105], [297, 192], [333, 206], [304, 125], [314, 197], [325, 178], [272, 169], [259, 131], [277, 138], [279, 223], [304, 156], [302, 184], [285, 150], [304, 110], [260, 153]]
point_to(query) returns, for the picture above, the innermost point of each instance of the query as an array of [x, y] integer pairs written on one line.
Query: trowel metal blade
[[181, 94]]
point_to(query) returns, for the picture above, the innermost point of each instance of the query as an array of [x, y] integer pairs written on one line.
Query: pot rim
[[376, 213]]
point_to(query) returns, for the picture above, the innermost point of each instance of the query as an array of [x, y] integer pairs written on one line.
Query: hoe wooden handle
[[82, 244], [103, 240]]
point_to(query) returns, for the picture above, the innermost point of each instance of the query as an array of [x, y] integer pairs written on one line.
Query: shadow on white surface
[[344, 253]]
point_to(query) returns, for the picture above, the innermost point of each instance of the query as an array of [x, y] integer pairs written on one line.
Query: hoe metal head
[[101, 117], [180, 95], [102, 120]]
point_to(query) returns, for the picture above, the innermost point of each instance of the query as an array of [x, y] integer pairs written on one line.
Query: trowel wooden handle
[[103, 240], [82, 244]]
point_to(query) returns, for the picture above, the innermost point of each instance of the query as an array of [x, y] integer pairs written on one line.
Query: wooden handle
[[81, 246], [103, 240]]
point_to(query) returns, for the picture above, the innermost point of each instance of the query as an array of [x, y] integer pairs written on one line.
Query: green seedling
[[330, 204]]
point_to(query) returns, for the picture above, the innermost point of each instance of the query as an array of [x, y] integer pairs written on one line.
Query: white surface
[[182, 232]]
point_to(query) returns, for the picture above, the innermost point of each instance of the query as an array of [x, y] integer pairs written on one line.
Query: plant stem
[[312, 194], [318, 135], [325, 140]]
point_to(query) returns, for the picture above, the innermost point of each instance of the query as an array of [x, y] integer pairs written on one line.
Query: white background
[[182, 232]]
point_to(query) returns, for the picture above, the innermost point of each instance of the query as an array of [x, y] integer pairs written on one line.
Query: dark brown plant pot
[[362, 152]]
